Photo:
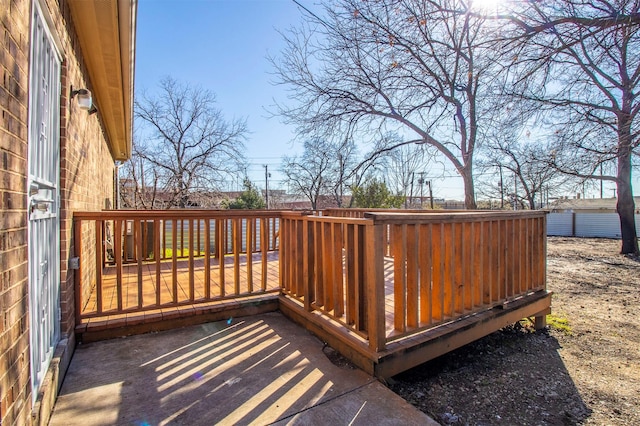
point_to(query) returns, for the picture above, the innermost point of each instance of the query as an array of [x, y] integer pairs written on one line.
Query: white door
[[43, 197]]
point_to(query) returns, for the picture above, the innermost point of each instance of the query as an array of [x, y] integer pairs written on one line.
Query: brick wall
[[86, 183]]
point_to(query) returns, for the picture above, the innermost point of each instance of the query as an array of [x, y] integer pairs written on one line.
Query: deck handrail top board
[[461, 216], [178, 214]]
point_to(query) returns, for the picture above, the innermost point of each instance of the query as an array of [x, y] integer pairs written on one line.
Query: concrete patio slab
[[255, 370]]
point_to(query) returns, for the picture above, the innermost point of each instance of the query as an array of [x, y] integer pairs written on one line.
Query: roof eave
[[106, 31]]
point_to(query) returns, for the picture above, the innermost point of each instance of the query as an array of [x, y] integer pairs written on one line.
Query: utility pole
[[547, 204], [515, 192], [266, 184], [421, 182], [601, 183], [501, 190], [413, 175], [430, 194]]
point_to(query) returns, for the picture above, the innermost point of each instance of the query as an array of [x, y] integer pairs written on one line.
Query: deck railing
[[231, 249], [383, 276], [428, 268], [322, 264]]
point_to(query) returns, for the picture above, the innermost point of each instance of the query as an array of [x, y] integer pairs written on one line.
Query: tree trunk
[[626, 205], [469, 190]]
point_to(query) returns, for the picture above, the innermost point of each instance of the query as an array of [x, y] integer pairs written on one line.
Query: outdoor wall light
[[83, 98]]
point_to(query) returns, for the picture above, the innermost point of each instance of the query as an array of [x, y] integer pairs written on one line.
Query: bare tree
[[401, 165], [522, 173], [416, 66], [309, 173], [330, 169], [578, 60], [188, 142], [138, 183], [344, 170]]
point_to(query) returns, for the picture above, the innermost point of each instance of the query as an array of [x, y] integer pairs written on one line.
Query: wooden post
[[138, 244], [283, 253], [100, 247], [117, 251], [307, 255], [207, 258], [374, 281], [540, 322]]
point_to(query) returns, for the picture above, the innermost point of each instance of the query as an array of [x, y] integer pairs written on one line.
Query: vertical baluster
[[157, 255], [137, 239], [264, 248], [399, 253], [174, 260], [351, 273], [327, 256], [477, 272], [249, 250], [411, 249], [237, 248], [426, 262], [338, 276], [191, 241], [221, 237], [207, 259], [318, 276]]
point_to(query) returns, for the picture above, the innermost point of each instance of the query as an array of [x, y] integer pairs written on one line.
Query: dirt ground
[[584, 369]]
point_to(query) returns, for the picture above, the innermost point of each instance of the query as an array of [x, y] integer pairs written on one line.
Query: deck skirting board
[[177, 317], [408, 353], [399, 356]]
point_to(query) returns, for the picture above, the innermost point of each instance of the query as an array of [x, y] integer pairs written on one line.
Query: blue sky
[[222, 45]]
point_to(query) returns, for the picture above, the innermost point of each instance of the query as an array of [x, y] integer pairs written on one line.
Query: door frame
[[43, 198]]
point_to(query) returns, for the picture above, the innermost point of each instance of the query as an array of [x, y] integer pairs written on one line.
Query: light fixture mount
[[85, 102]]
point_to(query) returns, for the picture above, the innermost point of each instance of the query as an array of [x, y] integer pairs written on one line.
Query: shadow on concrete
[[254, 370]]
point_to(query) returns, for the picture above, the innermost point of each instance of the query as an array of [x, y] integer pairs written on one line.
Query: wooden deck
[[389, 290]]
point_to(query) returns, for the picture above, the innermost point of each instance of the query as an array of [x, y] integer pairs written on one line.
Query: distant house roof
[[591, 204]]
